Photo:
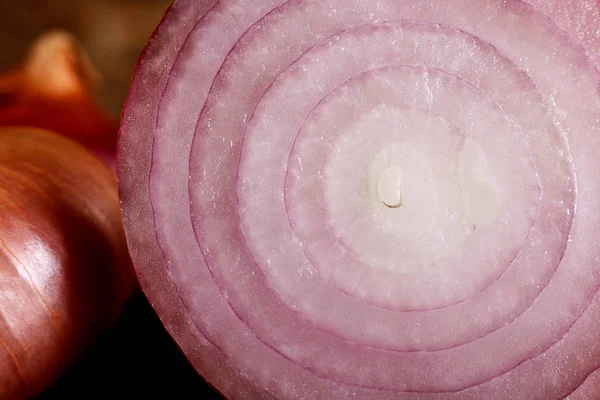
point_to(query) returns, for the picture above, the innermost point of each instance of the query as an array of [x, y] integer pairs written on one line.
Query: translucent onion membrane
[[387, 199]]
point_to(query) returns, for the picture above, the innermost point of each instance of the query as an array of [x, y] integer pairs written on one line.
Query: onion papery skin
[[247, 152], [65, 273]]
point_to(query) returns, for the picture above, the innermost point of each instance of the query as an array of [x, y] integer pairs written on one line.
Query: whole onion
[[354, 199], [64, 269], [53, 89]]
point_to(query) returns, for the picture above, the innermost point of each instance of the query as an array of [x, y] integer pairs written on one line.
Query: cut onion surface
[[359, 199]]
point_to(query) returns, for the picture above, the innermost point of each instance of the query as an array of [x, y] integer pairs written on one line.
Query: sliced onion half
[[386, 199]]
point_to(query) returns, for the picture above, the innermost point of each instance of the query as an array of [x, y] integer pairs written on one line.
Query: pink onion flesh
[[371, 199]]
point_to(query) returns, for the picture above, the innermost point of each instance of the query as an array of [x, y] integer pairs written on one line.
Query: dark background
[[136, 358]]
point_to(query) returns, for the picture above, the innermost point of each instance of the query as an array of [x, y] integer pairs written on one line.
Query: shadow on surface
[[136, 359]]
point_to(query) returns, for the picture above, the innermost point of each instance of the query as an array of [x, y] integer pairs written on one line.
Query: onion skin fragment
[[65, 272]]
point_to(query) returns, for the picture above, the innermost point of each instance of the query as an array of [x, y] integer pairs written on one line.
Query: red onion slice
[[240, 109]]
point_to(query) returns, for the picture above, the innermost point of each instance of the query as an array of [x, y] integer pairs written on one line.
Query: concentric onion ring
[[253, 128]]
